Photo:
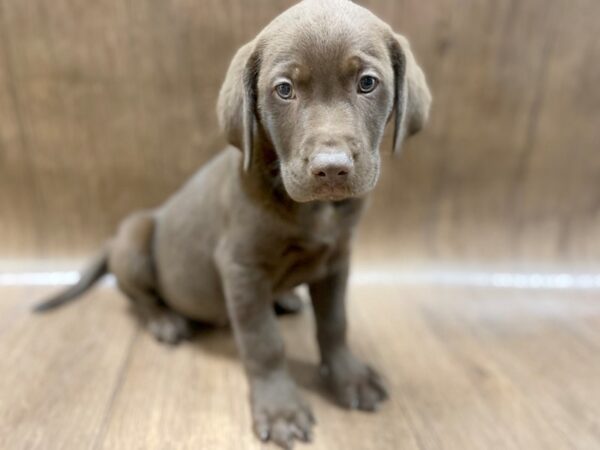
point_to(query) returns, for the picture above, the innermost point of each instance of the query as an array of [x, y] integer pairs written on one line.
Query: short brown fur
[[245, 231]]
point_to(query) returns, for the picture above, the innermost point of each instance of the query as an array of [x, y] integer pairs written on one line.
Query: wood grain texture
[[108, 106], [59, 373], [468, 369]]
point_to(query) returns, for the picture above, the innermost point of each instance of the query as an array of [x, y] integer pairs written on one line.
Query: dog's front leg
[[279, 413], [353, 383]]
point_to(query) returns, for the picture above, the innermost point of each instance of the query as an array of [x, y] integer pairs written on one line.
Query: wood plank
[[551, 376], [463, 369], [467, 369], [59, 371]]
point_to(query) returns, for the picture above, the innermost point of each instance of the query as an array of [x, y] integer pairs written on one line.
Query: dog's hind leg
[[131, 262]]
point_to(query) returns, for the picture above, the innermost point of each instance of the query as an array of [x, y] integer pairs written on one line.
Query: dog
[[303, 106]]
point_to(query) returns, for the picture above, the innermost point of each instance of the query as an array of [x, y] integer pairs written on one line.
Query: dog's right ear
[[237, 104]]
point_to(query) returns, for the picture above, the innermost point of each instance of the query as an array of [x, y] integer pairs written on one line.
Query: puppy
[[304, 106]]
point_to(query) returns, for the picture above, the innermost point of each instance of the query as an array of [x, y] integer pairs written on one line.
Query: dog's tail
[[97, 268]]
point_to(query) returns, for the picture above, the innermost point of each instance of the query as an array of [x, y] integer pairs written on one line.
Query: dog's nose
[[331, 165]]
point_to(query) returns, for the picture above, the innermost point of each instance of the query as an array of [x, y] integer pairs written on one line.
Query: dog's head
[[319, 84]]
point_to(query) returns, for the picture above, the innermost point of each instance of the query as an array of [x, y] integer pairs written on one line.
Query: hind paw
[[169, 327], [288, 303]]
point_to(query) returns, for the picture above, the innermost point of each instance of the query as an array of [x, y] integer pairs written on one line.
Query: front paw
[[279, 414], [354, 385]]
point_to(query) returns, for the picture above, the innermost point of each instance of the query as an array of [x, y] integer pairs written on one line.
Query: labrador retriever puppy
[[304, 106]]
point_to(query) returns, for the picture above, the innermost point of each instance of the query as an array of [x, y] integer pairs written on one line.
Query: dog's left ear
[[412, 98], [237, 103]]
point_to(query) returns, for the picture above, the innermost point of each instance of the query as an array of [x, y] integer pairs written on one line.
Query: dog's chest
[[306, 253]]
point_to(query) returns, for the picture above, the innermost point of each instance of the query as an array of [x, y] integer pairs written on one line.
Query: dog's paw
[[169, 327], [279, 414], [354, 385]]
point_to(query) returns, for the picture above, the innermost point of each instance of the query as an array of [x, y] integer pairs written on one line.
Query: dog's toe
[[285, 430], [370, 395], [280, 415], [356, 385]]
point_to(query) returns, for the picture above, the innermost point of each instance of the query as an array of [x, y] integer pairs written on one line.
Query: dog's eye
[[285, 90], [367, 84]]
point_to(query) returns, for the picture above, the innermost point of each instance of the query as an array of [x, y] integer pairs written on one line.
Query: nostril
[[330, 165]]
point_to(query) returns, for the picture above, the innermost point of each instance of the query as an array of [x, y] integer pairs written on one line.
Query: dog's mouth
[[332, 191], [322, 192]]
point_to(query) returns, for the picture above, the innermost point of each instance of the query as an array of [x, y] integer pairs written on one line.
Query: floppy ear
[[236, 107], [412, 98]]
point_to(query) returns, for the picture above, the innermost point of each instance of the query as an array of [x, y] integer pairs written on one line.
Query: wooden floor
[[467, 369]]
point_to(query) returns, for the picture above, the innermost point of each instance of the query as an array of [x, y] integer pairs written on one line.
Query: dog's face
[[325, 92], [319, 84]]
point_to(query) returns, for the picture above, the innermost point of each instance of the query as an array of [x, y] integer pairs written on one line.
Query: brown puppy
[[306, 102]]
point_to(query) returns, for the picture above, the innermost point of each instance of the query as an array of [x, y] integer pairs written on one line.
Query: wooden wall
[[106, 106]]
